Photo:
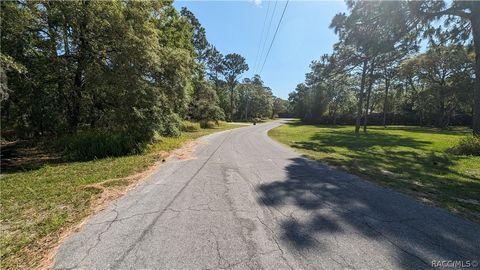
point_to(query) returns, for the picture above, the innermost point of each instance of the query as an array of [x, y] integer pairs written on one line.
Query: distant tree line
[[129, 67], [380, 74]]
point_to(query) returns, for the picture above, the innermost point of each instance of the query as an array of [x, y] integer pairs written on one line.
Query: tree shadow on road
[[320, 203]]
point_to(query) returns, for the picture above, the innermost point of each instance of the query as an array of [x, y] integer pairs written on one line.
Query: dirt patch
[[186, 152]]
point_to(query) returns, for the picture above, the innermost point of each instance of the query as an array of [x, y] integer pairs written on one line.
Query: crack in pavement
[[395, 244], [274, 237], [150, 226]]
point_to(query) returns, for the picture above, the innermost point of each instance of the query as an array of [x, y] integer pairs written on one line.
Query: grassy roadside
[[38, 205], [409, 159]]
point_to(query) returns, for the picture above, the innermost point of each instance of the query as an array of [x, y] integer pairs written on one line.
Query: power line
[[261, 36], [268, 32], [274, 35]]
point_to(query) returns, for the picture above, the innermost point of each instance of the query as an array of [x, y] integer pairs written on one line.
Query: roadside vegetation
[[413, 160], [398, 100], [42, 201], [117, 73], [93, 92], [397, 63]]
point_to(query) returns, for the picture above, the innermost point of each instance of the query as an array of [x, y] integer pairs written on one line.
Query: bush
[[469, 145], [98, 144], [207, 124], [187, 126], [170, 125]]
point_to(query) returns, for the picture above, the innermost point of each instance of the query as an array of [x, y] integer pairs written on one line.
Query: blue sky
[[303, 36]]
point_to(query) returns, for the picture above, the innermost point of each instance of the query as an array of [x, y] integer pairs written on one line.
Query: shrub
[[469, 145], [89, 145], [207, 124], [187, 126], [170, 125]]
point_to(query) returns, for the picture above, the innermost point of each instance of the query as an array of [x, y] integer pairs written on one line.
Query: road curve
[[246, 202]]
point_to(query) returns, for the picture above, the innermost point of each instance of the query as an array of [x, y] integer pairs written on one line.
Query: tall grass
[[88, 145], [188, 126]]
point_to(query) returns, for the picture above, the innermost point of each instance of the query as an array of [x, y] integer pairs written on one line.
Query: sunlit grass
[[413, 160]]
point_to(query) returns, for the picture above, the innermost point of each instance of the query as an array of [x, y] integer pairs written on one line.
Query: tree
[[199, 37], [123, 67], [215, 65], [462, 19], [234, 65], [443, 71], [205, 106], [374, 38], [254, 99], [298, 100], [279, 106], [372, 29]]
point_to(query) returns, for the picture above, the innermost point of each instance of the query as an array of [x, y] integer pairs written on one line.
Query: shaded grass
[[39, 203], [413, 160]]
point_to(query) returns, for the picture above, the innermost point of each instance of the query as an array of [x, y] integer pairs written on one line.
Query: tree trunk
[[475, 21], [231, 103], [335, 116], [78, 82], [385, 102], [246, 110], [441, 113], [369, 91], [360, 98]]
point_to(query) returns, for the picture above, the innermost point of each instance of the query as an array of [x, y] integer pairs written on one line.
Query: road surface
[[244, 201]]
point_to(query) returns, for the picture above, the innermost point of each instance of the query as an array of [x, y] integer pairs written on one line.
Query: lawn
[[41, 202], [412, 160]]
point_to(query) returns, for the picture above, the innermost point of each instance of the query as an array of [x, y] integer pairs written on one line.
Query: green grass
[[38, 204], [413, 160]]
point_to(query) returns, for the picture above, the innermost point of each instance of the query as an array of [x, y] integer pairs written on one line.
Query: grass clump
[[468, 146], [207, 124], [188, 126], [89, 145]]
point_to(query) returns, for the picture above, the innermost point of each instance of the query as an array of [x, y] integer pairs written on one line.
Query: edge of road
[[108, 196]]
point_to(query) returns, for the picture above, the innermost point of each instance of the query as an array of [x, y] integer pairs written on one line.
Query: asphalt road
[[246, 202]]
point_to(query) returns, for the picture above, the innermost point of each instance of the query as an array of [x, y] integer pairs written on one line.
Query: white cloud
[[257, 3]]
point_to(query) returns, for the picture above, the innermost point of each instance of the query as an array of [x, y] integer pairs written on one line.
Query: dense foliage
[[128, 68], [379, 73]]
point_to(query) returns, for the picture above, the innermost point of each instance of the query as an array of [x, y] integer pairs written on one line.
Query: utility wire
[[261, 37], [274, 35], [268, 32]]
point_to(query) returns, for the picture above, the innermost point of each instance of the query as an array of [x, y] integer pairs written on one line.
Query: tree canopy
[[129, 67], [382, 71]]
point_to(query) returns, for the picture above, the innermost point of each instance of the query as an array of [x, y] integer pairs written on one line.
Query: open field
[[412, 160], [40, 202]]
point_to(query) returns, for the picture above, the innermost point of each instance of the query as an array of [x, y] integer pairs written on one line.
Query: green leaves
[[134, 67], [106, 65]]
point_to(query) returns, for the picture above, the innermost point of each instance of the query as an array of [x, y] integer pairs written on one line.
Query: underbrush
[[88, 145], [208, 124], [468, 146], [188, 126]]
